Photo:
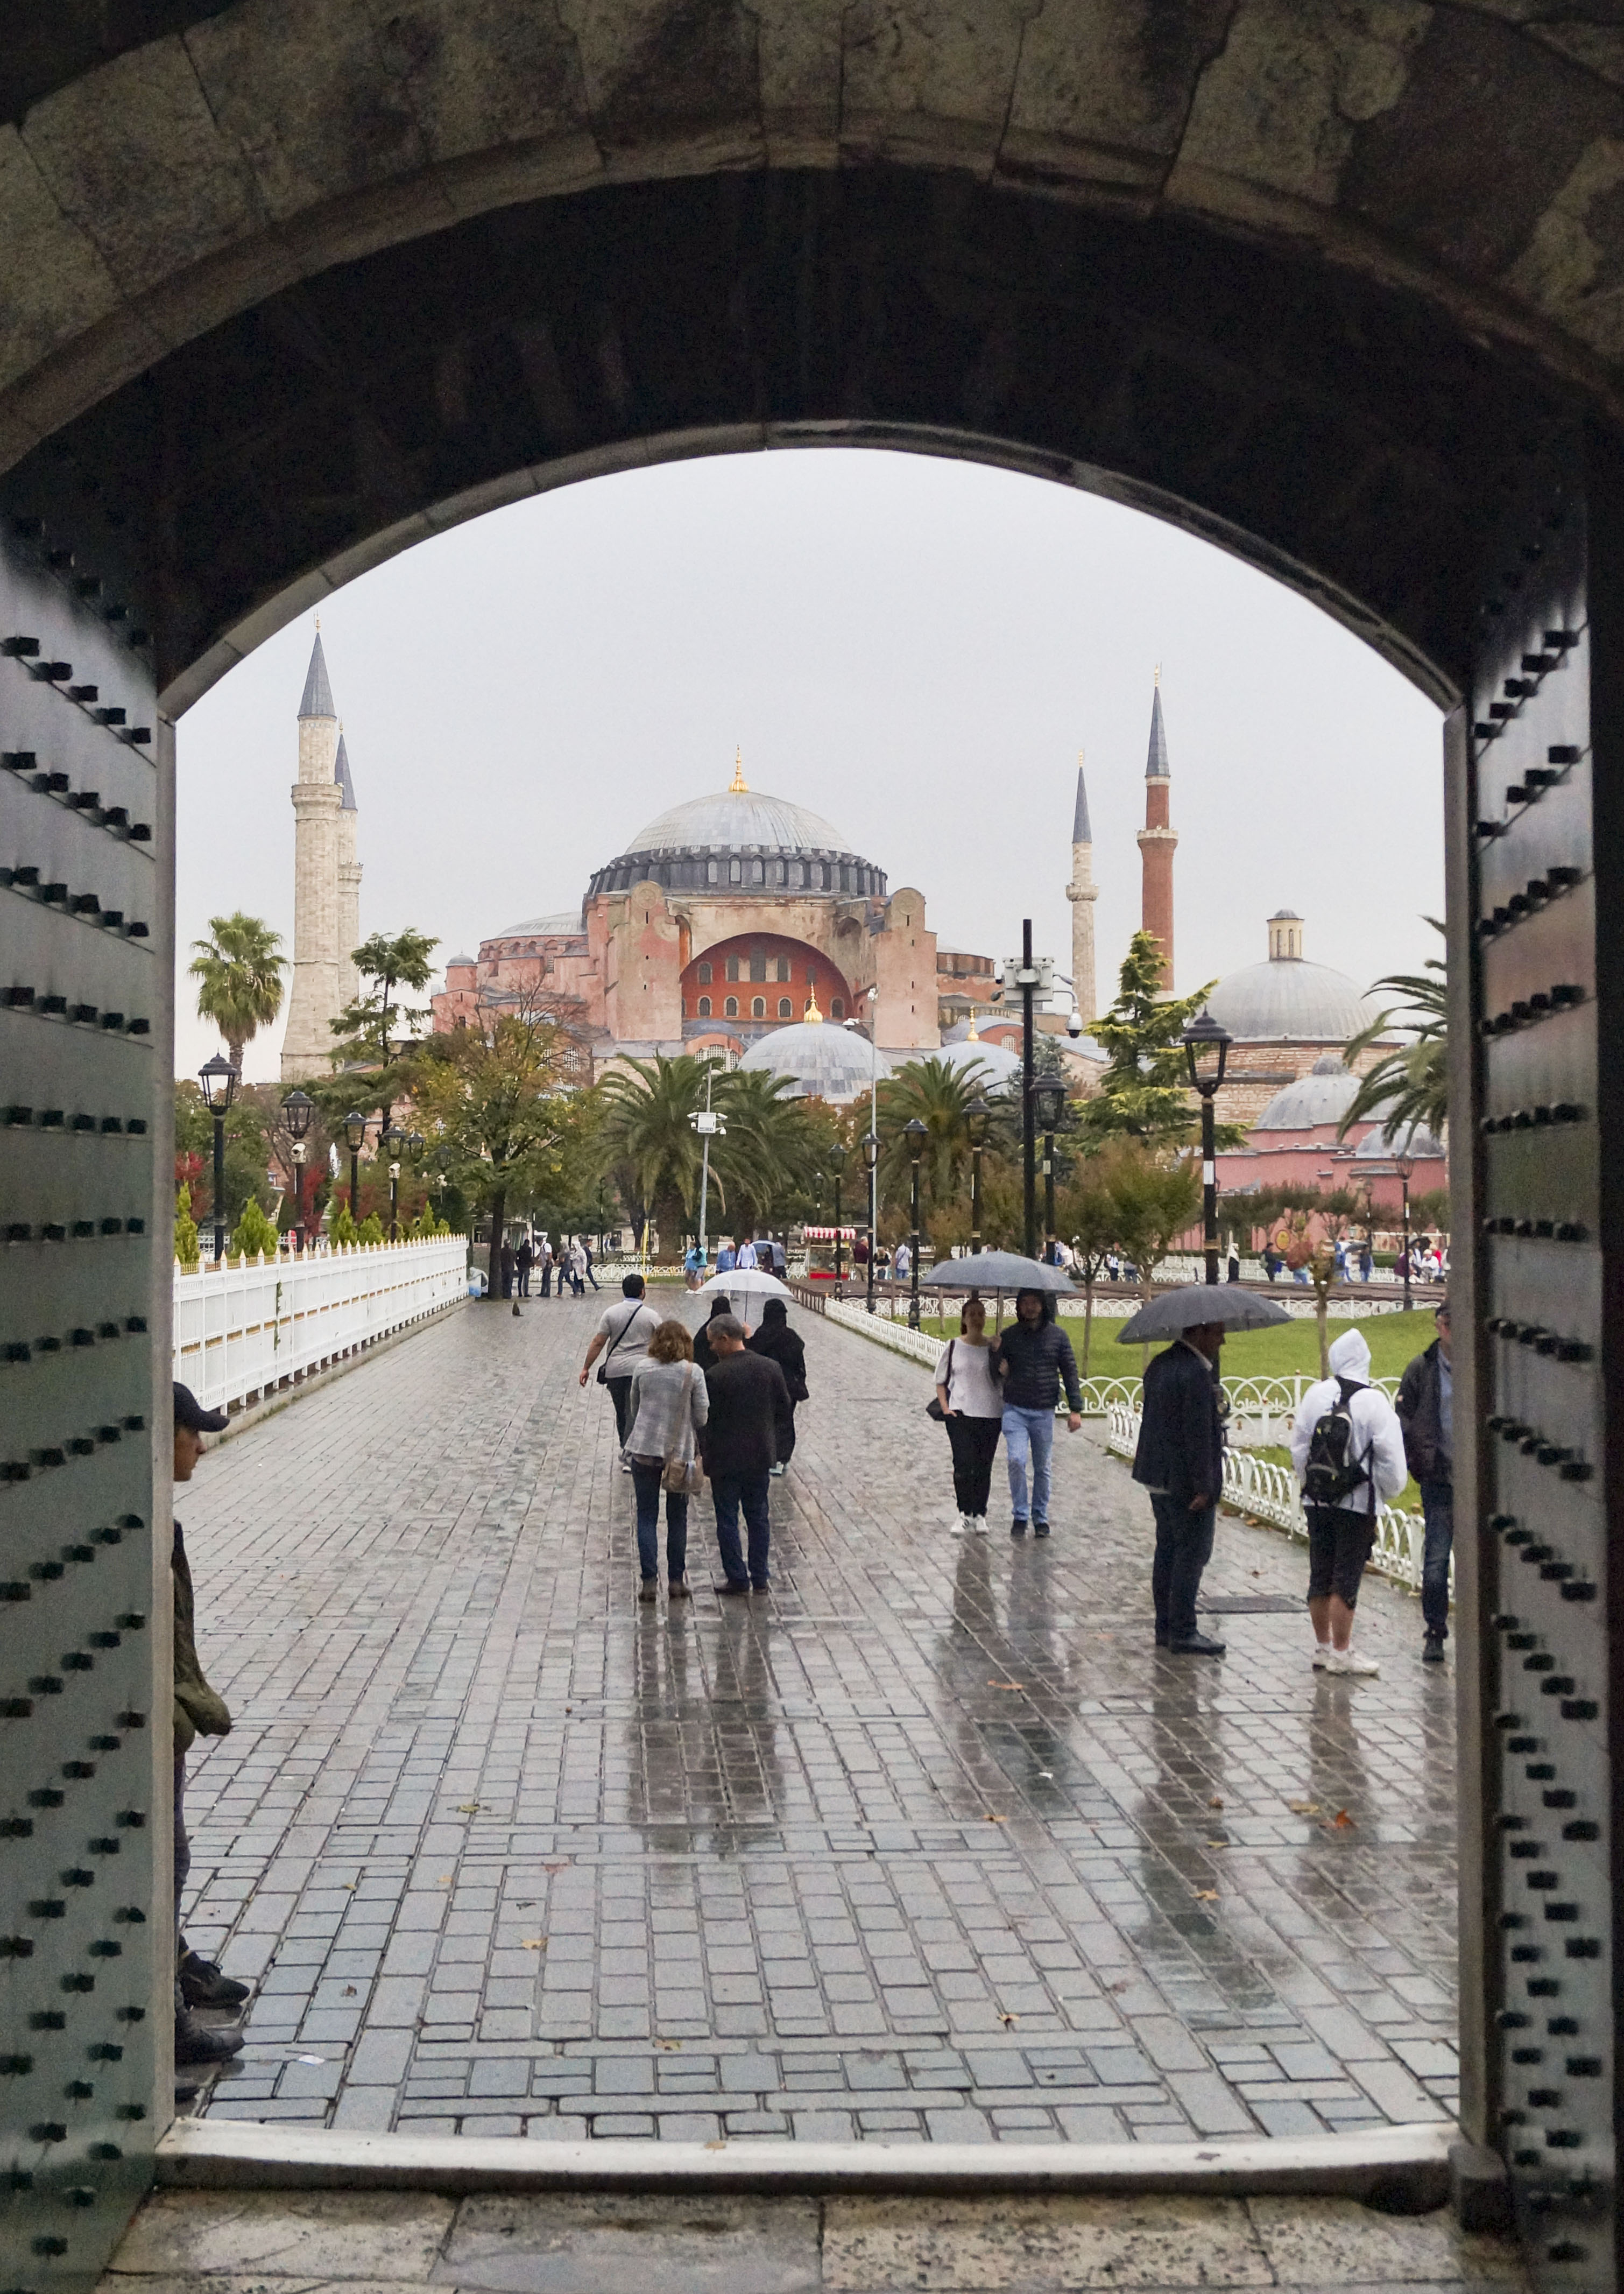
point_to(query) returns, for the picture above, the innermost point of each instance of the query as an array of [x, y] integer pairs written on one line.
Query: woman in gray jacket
[[668, 1404]]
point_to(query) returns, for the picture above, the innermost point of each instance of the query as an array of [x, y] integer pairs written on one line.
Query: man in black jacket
[[1426, 1413], [1180, 1460], [750, 1421], [1030, 1359]]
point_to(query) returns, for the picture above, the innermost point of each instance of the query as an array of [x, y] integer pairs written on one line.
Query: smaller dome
[[1408, 1139], [989, 1066], [568, 925], [1321, 1096], [822, 1061]]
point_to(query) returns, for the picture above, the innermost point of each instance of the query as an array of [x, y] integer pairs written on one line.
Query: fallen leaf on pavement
[[532, 1943], [722, 2145], [1207, 1895], [671, 2047], [349, 1991], [1215, 1803], [1303, 1807], [1006, 1684], [1009, 2019], [1342, 1821], [996, 1819], [1217, 1844], [469, 1807]]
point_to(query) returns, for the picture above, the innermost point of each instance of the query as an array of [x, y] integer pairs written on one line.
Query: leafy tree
[[766, 1155], [1156, 1198], [370, 1029], [1411, 1085], [371, 1229], [1088, 1215], [245, 1150], [342, 1227], [185, 1229], [935, 1092], [650, 1143], [255, 1232], [239, 970], [1144, 1092]]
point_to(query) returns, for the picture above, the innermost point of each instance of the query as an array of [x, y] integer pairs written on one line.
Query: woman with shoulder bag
[[669, 1404], [970, 1406]]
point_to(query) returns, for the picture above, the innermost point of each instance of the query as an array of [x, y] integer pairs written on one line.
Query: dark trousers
[[183, 1864], [524, 1281], [646, 1480], [1438, 1511], [730, 1491], [786, 1447], [591, 1278], [619, 1393], [974, 1442], [546, 1280], [1183, 1548]]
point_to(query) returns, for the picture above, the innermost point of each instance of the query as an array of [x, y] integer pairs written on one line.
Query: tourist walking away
[[1425, 1409], [968, 1394], [622, 1338], [779, 1343], [750, 1421], [578, 1266], [781, 1257], [704, 1353], [586, 1255], [693, 1267], [901, 1261], [544, 1260], [507, 1262], [1179, 1460], [199, 1712], [1348, 1449], [523, 1259], [1030, 1359], [670, 1404]]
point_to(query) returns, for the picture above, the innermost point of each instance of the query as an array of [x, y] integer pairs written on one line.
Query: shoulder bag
[[684, 1474], [933, 1408], [602, 1368]]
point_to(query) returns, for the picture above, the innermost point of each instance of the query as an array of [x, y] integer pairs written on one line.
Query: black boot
[[197, 2042], [203, 1984]]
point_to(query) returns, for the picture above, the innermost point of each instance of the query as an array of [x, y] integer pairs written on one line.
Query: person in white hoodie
[[1342, 1532]]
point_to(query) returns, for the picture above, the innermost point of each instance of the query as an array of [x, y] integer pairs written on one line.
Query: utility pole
[[1031, 979]]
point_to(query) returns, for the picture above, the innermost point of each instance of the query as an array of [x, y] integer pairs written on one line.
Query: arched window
[[811, 975], [785, 1010], [704, 1007], [731, 1007], [733, 876], [758, 1008], [704, 976], [733, 967], [713, 870], [781, 971], [837, 1009], [757, 964]]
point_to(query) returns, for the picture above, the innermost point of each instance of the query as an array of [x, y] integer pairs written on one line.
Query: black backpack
[[1331, 1473]]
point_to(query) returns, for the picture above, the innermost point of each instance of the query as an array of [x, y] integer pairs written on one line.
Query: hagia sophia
[[745, 924]]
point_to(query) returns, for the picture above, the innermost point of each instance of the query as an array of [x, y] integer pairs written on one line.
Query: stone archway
[[286, 291]]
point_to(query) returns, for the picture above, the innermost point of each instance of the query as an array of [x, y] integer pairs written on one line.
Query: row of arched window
[[758, 1005], [758, 968]]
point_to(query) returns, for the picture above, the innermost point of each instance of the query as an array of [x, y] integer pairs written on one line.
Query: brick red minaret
[[1157, 840]]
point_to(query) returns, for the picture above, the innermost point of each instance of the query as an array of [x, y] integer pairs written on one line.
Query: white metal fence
[[258, 1324]]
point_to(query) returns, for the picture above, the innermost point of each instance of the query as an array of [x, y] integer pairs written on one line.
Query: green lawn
[[1287, 1350]]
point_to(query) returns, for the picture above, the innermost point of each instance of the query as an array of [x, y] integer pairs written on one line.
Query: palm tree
[[770, 1148], [240, 969], [937, 1094], [1411, 1085], [646, 1107]]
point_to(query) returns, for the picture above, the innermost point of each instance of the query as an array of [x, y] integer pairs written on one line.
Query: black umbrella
[[1195, 1302]]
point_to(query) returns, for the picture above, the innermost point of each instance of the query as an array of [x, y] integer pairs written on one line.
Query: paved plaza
[[928, 1842]]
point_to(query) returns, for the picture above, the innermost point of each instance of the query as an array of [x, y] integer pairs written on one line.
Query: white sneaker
[[978, 1522], [1323, 1656], [957, 1528], [1350, 1661]]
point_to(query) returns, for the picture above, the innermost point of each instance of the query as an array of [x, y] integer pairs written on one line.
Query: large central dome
[[734, 819]]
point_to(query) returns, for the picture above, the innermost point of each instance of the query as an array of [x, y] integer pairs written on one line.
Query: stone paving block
[[1036, 2245], [1338, 2243], [312, 2235]]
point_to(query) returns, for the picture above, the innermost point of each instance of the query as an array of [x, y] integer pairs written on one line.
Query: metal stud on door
[[84, 1049]]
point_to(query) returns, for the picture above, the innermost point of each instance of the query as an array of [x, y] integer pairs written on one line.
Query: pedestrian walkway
[[928, 1843]]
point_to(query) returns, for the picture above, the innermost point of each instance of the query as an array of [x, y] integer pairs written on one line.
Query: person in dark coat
[[523, 1259], [750, 1418], [788, 1349], [507, 1262], [1180, 1460], [1425, 1405], [703, 1353]]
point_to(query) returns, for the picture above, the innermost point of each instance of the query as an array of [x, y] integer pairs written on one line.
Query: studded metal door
[[1540, 1132], [85, 1165]]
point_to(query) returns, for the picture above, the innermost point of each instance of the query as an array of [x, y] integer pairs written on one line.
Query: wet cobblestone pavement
[[928, 1842]]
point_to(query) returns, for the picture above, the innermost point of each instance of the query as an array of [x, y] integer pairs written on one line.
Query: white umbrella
[[747, 1282]]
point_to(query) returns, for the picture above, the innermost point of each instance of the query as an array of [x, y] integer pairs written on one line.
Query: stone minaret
[[349, 879], [318, 808], [1157, 840], [1082, 893]]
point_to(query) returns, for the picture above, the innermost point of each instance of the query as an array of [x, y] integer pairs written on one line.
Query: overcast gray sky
[[916, 648]]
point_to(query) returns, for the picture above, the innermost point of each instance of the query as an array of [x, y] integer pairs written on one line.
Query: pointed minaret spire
[[318, 699], [341, 773], [1157, 841], [1082, 893], [738, 785]]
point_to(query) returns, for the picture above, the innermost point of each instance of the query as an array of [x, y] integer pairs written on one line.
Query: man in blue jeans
[[1179, 1460], [751, 1420], [1030, 1359], [1425, 1405]]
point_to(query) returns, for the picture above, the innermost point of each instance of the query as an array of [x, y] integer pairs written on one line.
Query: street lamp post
[[415, 1143], [1404, 1164], [355, 1139], [871, 1157], [1027, 978], [1207, 1048], [219, 1079], [837, 1164], [297, 1109], [916, 1134], [392, 1142], [976, 1117], [709, 1127], [1049, 1094]]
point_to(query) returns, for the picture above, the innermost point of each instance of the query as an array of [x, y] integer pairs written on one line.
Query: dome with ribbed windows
[[818, 1059], [741, 840]]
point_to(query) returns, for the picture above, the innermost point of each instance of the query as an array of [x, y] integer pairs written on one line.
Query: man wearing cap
[[199, 1710]]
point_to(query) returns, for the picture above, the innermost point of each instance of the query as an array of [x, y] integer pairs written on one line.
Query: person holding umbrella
[[1178, 1456]]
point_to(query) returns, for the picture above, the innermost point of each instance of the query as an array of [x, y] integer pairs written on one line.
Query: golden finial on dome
[[813, 1017], [972, 1037], [738, 785]]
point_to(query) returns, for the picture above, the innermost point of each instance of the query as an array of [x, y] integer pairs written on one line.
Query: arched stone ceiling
[[1446, 183]]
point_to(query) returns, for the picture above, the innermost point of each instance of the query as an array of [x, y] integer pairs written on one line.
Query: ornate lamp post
[[297, 1109], [219, 1079], [1048, 1094], [976, 1116], [1404, 1164], [1207, 1048], [392, 1142], [1028, 977], [916, 1134], [837, 1164], [355, 1139], [871, 1157], [415, 1143]]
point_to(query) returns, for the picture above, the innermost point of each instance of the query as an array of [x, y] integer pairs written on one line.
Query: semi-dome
[[1408, 1139], [741, 840], [1288, 999], [1322, 1097], [567, 923], [820, 1060]]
